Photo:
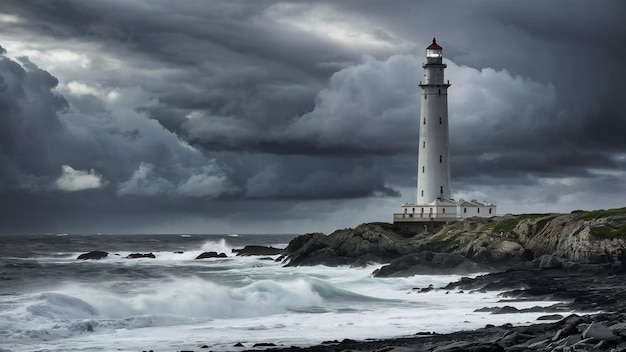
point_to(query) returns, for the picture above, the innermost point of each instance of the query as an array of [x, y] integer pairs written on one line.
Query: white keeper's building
[[433, 175]]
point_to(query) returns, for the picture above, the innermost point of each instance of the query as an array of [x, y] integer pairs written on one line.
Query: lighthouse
[[434, 203], [433, 177]]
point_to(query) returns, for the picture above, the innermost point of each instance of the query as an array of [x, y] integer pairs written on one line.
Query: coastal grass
[[609, 233], [507, 225], [602, 213]]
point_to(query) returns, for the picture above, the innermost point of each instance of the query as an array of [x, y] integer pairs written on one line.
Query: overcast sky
[[290, 117]]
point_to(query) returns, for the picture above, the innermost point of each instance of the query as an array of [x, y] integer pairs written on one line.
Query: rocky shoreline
[[578, 259], [596, 292]]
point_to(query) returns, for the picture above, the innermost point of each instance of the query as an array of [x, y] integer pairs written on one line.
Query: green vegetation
[[507, 225], [602, 213], [605, 232]]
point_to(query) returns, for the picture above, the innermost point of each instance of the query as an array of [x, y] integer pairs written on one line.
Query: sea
[[50, 301]]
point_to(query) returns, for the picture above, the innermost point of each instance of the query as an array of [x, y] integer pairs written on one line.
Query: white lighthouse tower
[[433, 177], [434, 202]]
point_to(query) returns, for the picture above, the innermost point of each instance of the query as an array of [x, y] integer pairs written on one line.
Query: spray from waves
[[75, 309]]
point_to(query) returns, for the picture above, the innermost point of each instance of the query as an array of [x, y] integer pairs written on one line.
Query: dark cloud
[[189, 114]]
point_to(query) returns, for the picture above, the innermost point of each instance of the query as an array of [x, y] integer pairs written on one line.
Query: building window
[[465, 210], [440, 159], [444, 210], [413, 210], [489, 210], [405, 210], [439, 91], [430, 211], [478, 210], [422, 210], [440, 120], [422, 193]]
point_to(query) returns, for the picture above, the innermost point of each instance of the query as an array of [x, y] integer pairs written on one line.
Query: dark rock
[[95, 255], [238, 344], [330, 342], [258, 250], [551, 317], [345, 341], [264, 344], [505, 310], [204, 346], [424, 289], [206, 255], [599, 332], [427, 263], [140, 255], [179, 252]]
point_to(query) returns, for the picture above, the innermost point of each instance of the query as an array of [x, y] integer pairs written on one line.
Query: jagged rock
[[548, 261], [599, 332], [258, 250], [95, 255], [140, 255], [379, 242], [206, 255], [427, 263]]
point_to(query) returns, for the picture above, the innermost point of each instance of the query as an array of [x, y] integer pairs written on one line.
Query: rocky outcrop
[[94, 255], [207, 255], [258, 250], [428, 263], [373, 242], [528, 240], [140, 255]]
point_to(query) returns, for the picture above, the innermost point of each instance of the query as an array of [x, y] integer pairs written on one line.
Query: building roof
[[434, 45]]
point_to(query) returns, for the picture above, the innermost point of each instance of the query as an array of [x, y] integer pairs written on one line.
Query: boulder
[[258, 250], [206, 255], [599, 332], [140, 255], [428, 263], [95, 255]]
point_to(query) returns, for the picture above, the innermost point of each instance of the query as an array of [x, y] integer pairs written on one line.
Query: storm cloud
[[269, 116]]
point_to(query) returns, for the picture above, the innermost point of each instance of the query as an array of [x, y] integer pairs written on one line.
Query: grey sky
[[268, 116]]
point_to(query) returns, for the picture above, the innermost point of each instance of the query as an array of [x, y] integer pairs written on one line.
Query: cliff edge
[[473, 244]]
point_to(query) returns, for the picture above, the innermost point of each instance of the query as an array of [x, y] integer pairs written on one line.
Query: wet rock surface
[[258, 250], [93, 255], [207, 255]]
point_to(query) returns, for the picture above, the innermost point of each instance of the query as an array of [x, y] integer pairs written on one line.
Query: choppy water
[[49, 301]]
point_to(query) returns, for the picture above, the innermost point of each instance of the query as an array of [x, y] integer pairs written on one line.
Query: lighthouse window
[[440, 159], [425, 96], [423, 144], [440, 120], [424, 120], [422, 193], [423, 169], [441, 190], [439, 91]]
